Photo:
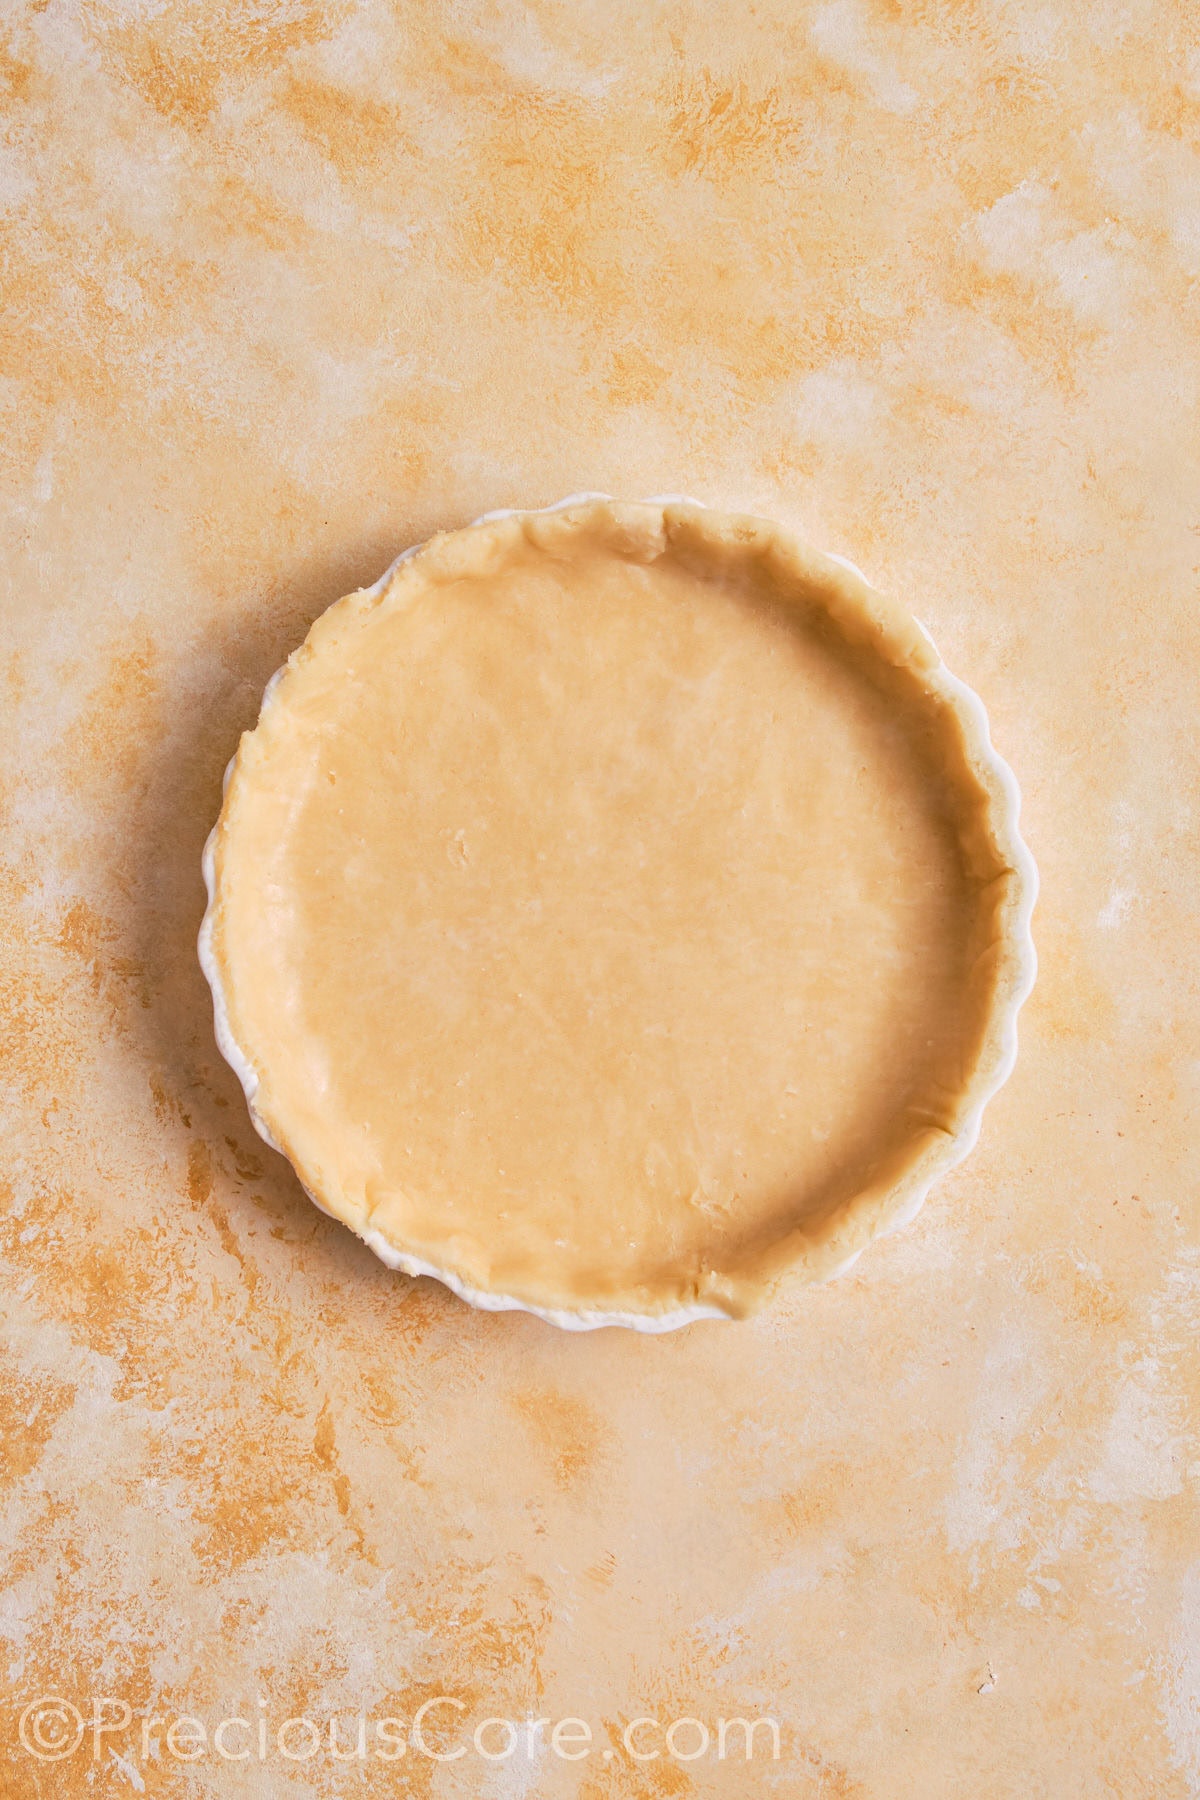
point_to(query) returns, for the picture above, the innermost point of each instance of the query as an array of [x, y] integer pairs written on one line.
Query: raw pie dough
[[615, 907]]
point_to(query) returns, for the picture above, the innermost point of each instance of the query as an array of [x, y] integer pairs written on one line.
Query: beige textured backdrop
[[287, 284]]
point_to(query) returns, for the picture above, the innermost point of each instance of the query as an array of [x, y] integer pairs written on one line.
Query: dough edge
[[860, 611]]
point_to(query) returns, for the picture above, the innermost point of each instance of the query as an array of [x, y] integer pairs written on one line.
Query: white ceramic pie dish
[[1003, 1024]]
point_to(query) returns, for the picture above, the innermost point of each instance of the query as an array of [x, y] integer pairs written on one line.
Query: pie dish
[[617, 909]]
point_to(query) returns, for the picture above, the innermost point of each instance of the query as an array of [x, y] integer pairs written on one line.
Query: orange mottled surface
[[287, 286]]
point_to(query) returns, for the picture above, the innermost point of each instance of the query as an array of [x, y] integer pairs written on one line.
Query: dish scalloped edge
[[971, 709]]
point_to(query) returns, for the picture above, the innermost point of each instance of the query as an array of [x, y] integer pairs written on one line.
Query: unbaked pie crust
[[616, 909]]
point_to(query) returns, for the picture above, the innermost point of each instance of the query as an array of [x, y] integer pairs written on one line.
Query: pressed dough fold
[[618, 906]]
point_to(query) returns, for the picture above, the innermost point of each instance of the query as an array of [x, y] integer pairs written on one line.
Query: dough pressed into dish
[[618, 907]]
